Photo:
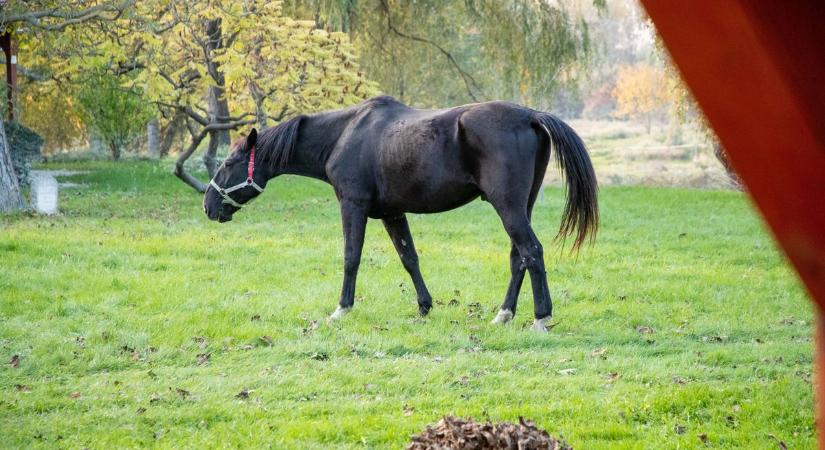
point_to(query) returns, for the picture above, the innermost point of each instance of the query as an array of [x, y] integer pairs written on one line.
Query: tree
[[224, 65], [53, 113], [436, 52], [10, 198], [43, 16], [641, 93], [118, 115]]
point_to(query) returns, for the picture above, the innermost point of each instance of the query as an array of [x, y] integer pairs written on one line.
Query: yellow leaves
[[289, 61], [641, 90]]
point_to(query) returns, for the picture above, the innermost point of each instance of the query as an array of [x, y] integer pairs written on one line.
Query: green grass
[[110, 304]]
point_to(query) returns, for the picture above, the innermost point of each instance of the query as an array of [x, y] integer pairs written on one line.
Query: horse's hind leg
[[399, 231], [517, 267], [531, 254], [511, 187]]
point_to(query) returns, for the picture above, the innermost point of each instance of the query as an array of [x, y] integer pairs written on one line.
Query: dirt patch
[[452, 433]]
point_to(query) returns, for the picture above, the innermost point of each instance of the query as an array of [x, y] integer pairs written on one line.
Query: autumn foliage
[[642, 92]]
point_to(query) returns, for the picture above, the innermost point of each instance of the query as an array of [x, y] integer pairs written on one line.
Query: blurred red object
[[757, 68]]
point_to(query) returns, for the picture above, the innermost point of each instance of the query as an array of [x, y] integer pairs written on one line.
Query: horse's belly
[[425, 198]]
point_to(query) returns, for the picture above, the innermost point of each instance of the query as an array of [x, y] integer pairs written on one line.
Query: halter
[[250, 170]]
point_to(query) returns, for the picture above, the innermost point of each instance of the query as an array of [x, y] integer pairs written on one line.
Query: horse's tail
[[581, 212]]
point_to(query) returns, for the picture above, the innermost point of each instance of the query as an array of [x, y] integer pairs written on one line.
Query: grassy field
[[138, 323], [624, 154]]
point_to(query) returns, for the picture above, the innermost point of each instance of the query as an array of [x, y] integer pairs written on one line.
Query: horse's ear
[[251, 140]]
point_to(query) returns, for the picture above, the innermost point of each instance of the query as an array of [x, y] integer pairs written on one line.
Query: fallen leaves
[[474, 310], [201, 342], [183, 393], [319, 356], [613, 376], [792, 321], [599, 353], [408, 410], [466, 434], [203, 358], [311, 326], [244, 394]]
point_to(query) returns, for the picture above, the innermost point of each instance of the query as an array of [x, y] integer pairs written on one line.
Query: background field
[[139, 323]]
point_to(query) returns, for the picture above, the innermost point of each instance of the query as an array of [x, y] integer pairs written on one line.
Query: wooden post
[[10, 50]]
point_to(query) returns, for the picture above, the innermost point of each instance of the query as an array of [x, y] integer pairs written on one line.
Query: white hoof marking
[[503, 316], [540, 326], [338, 314]]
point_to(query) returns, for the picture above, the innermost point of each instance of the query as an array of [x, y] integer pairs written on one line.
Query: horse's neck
[[317, 138]]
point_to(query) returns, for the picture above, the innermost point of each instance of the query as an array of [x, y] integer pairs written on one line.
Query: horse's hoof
[[338, 314], [423, 310], [539, 325], [503, 316]]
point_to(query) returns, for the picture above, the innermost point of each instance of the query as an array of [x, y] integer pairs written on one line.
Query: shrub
[[24, 147]]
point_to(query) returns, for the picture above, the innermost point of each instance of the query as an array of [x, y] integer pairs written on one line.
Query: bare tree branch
[[66, 18], [180, 170]]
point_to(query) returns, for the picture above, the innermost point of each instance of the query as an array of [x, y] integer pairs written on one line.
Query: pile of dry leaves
[[453, 433]]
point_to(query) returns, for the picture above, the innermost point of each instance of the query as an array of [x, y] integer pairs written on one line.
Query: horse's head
[[236, 182]]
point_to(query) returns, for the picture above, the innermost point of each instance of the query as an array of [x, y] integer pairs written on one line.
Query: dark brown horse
[[385, 159]]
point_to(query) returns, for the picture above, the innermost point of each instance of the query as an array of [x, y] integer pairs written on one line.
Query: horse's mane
[[276, 144]]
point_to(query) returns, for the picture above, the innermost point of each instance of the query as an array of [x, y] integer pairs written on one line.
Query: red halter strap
[[250, 168]]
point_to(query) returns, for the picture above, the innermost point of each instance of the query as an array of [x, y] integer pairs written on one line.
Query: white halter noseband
[[250, 171], [225, 192]]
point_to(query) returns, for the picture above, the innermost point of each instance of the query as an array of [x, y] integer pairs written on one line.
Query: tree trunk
[[172, 131], [180, 163], [10, 196], [218, 107], [115, 149], [219, 110], [153, 138], [211, 151]]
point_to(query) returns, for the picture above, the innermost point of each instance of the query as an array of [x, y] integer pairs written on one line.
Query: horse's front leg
[[399, 231], [354, 218]]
